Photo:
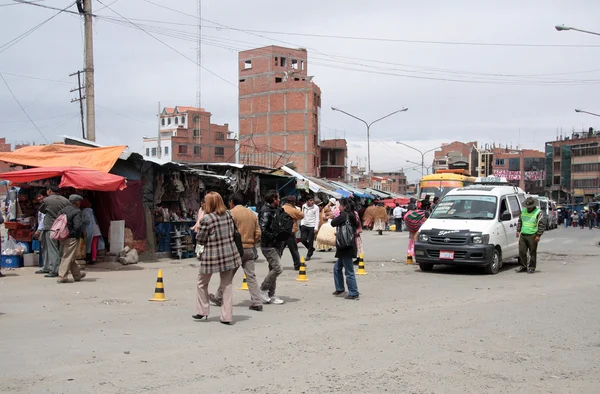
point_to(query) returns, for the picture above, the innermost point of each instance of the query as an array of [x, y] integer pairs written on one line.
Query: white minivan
[[474, 225]]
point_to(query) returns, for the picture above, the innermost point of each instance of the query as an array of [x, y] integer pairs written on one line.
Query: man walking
[[290, 208], [398, 214], [68, 246], [309, 225], [529, 230], [51, 207], [247, 225], [270, 246]]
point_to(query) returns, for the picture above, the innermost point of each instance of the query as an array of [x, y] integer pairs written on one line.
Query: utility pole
[[80, 99], [159, 144], [90, 111]]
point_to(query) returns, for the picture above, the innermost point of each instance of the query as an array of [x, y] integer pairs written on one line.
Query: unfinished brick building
[[279, 109]]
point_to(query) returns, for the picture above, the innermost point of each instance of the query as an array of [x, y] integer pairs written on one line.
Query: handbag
[[237, 237], [345, 235]]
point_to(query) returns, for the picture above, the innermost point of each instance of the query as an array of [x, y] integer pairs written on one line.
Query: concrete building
[[334, 160], [456, 155], [512, 163], [393, 181], [279, 109], [188, 136], [573, 167]]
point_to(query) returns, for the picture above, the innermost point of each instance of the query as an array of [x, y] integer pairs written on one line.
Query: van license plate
[[446, 255]]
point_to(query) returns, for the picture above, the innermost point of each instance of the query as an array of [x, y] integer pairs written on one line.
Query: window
[[183, 149], [283, 61], [153, 152], [586, 183], [556, 151], [169, 121], [301, 64], [557, 166], [514, 206], [219, 151], [514, 164], [220, 136], [162, 121], [556, 180], [242, 80], [296, 79], [247, 64], [197, 150], [586, 167], [183, 120], [196, 133], [315, 144], [278, 80], [294, 64], [504, 207], [499, 162], [586, 150], [166, 150], [176, 120], [276, 61], [147, 151], [196, 119]]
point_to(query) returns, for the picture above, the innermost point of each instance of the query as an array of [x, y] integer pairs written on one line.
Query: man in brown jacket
[[247, 225], [295, 214]]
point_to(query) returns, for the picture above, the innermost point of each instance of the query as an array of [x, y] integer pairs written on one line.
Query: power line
[[23, 109], [48, 7], [170, 47], [32, 77]]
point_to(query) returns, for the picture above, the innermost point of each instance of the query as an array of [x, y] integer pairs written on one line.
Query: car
[[472, 226]]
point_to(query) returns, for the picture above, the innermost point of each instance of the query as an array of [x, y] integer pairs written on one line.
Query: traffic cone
[[361, 266], [244, 284], [409, 259], [159, 290], [302, 271]]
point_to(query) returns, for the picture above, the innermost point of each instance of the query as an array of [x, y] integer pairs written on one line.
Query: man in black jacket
[[270, 248], [68, 246]]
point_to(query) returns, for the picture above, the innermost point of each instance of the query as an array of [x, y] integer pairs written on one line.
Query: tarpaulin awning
[[75, 177], [58, 155], [391, 202], [343, 193]]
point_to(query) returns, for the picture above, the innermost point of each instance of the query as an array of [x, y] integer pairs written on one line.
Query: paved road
[[450, 331]]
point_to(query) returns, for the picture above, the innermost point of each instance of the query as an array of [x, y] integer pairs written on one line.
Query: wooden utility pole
[[80, 99], [89, 71]]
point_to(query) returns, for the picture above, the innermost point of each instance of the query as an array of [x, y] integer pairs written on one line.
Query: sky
[[492, 72]]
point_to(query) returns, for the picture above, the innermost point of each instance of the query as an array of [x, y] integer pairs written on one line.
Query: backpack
[[60, 229], [345, 234], [282, 225]]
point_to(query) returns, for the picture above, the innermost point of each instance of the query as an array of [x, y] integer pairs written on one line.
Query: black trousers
[[293, 247], [398, 225], [307, 237]]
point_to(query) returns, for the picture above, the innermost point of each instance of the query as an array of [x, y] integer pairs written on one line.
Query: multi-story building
[[513, 163], [573, 167], [279, 109], [394, 181], [4, 146], [334, 158], [188, 136], [456, 156]]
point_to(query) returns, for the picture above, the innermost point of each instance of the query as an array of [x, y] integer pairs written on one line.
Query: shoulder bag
[[237, 237]]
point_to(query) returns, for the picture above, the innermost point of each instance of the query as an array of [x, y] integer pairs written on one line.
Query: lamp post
[[419, 165], [421, 153], [564, 28], [369, 134], [580, 111]]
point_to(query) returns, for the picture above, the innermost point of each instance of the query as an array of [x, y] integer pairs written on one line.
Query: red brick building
[[334, 157], [5, 147], [279, 109], [456, 155], [188, 136], [508, 163], [394, 181]]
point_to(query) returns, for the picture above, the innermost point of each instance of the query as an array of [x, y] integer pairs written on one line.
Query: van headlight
[[481, 239], [423, 238]]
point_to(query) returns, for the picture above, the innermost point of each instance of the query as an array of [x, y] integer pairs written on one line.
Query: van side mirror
[[505, 217]]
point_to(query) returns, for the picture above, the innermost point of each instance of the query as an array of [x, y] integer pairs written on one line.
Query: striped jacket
[[220, 253]]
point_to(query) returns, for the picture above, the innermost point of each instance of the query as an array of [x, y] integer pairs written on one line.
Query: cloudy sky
[[491, 71]]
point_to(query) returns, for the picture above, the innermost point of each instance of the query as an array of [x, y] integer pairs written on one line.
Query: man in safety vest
[[529, 230]]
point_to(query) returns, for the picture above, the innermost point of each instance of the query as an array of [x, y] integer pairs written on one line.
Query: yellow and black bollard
[[159, 290], [244, 284], [302, 271], [361, 266], [409, 259]]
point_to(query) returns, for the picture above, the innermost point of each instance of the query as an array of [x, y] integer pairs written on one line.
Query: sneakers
[[276, 300], [83, 274], [214, 300], [264, 297]]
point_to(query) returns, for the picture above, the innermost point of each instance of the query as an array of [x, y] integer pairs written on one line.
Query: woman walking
[[345, 251], [215, 232]]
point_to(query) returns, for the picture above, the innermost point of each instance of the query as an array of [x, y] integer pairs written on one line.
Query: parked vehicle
[[474, 226]]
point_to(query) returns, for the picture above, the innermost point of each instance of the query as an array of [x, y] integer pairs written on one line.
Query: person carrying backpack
[[68, 245], [346, 250], [276, 227]]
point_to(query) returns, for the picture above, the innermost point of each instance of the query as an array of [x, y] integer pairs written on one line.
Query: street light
[[369, 134], [422, 154], [419, 165], [564, 28], [586, 112]]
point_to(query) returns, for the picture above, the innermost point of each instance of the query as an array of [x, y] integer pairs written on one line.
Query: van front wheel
[[425, 267], [495, 264]]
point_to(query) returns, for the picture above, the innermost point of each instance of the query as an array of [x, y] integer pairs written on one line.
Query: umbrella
[[75, 177]]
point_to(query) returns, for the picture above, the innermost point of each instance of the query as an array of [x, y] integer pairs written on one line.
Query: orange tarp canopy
[[58, 155]]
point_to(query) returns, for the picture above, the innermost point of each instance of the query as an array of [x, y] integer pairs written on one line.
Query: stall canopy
[[75, 177], [59, 155], [354, 190]]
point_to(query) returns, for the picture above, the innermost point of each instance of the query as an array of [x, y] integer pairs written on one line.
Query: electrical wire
[[32, 77], [48, 7], [170, 47], [23, 109]]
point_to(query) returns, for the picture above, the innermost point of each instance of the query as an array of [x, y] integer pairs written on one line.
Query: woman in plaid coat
[[220, 255]]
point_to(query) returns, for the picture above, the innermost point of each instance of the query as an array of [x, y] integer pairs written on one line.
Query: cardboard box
[[31, 260]]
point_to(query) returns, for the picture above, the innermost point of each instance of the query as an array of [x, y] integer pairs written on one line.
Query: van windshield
[[466, 207]]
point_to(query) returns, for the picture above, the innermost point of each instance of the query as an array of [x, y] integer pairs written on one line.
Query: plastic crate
[[21, 235], [12, 261]]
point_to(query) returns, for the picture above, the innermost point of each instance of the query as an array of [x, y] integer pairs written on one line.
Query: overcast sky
[[497, 93]]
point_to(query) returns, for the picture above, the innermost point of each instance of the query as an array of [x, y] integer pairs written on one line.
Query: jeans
[[566, 223], [346, 264], [274, 259], [307, 237], [398, 224]]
